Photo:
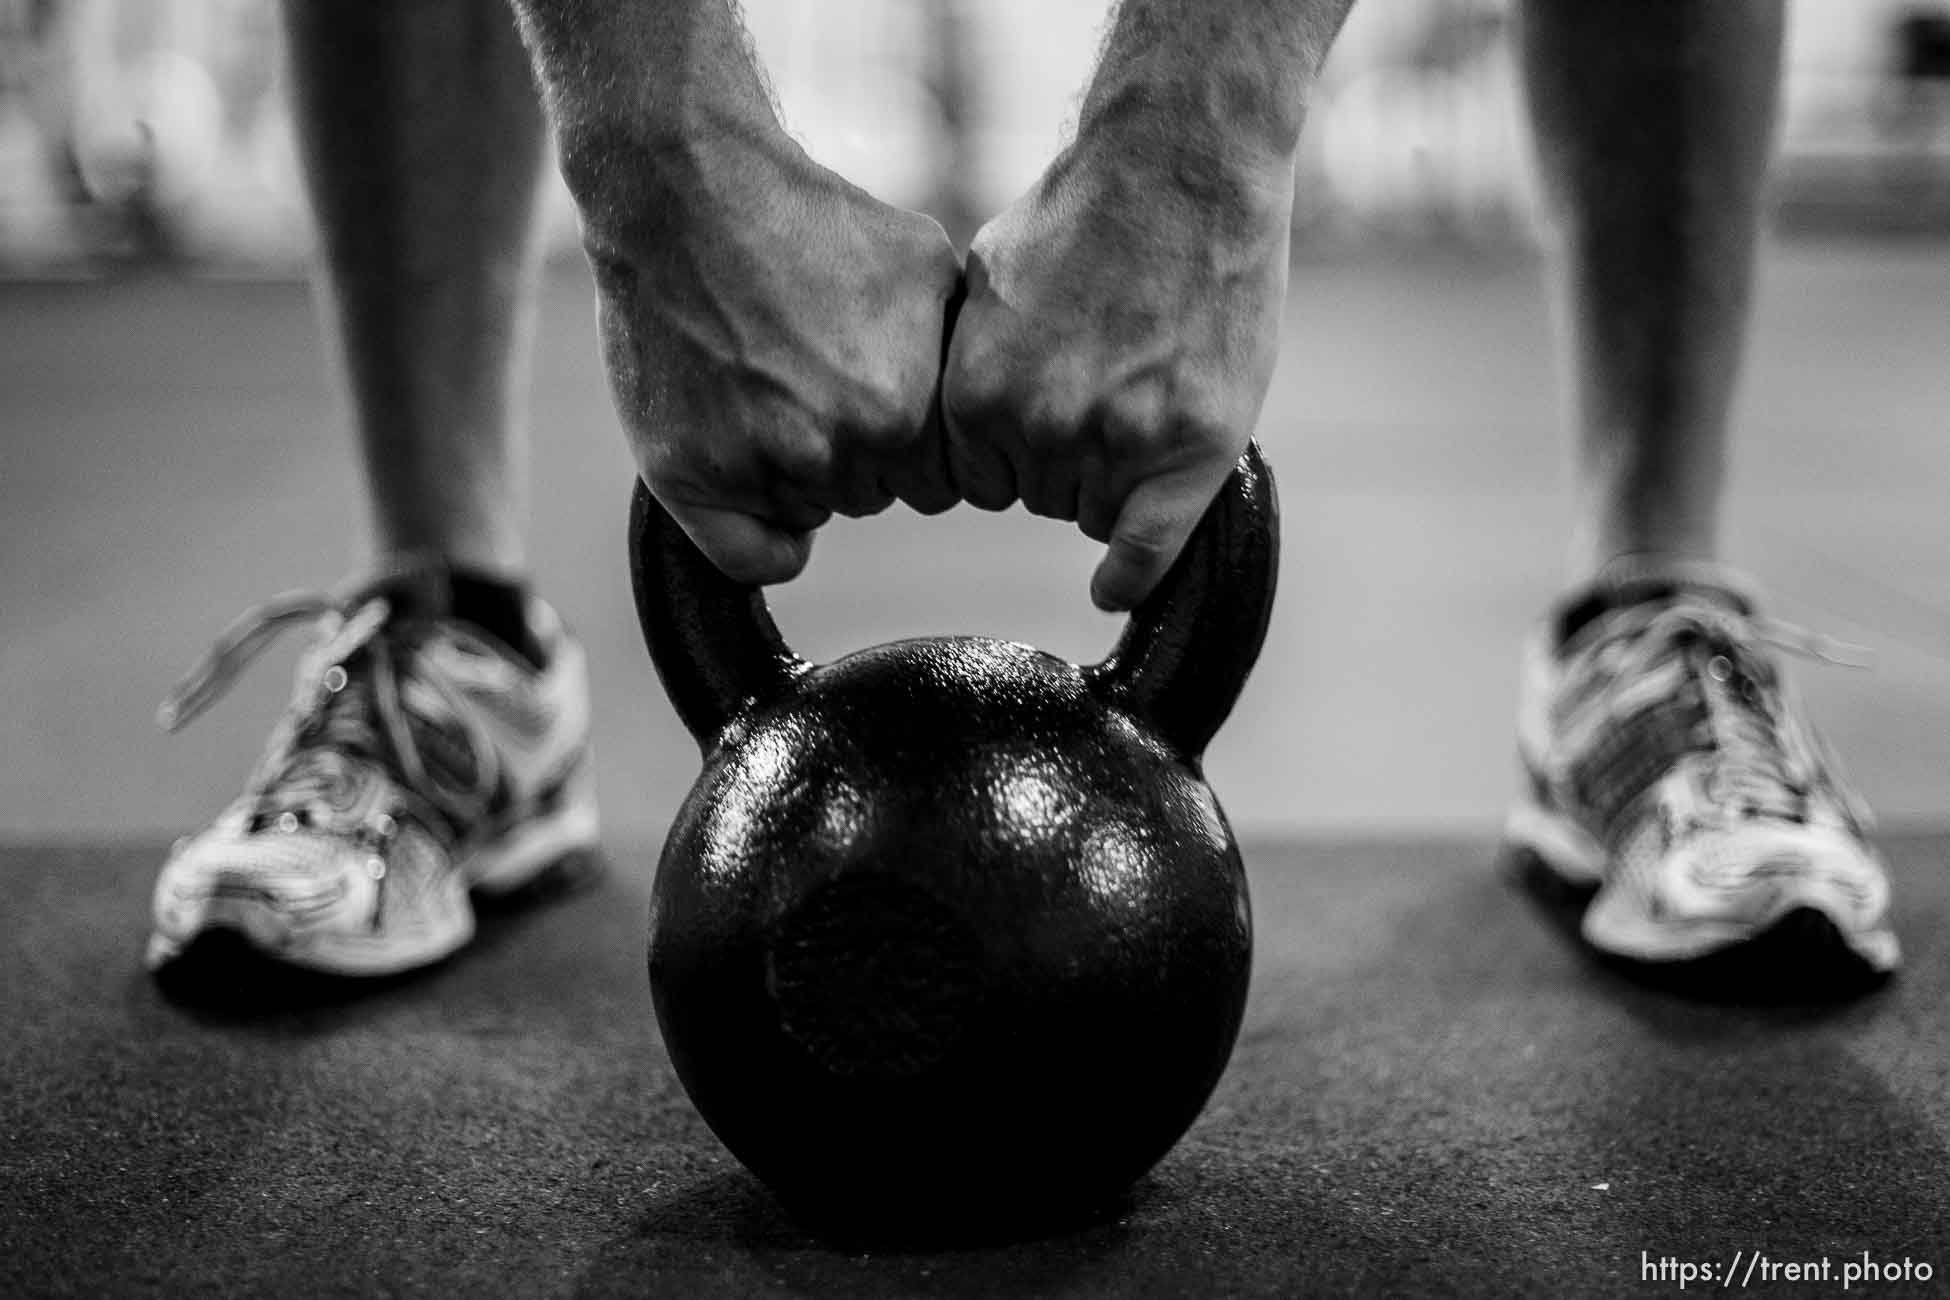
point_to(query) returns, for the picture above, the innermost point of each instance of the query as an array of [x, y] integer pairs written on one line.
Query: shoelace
[[332, 723], [1756, 763]]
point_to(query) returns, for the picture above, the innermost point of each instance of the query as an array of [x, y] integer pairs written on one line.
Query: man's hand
[[773, 337], [1122, 318], [773, 334], [1108, 366]]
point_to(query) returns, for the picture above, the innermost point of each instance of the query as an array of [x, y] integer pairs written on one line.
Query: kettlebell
[[951, 937]]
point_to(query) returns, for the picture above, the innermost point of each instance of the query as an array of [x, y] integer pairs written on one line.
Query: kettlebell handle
[[1178, 667]]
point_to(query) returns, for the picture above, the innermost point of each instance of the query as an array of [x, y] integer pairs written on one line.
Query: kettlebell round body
[[932, 938]]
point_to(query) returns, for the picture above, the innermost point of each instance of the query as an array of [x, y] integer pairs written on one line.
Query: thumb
[[744, 547], [1152, 527]]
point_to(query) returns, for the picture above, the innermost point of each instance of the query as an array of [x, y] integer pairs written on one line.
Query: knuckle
[[930, 501], [862, 493], [1094, 516], [1131, 434], [1046, 433], [1206, 426], [1147, 424], [975, 360], [979, 478], [868, 505], [799, 454], [1134, 408], [972, 392], [1145, 542], [879, 446], [888, 424]]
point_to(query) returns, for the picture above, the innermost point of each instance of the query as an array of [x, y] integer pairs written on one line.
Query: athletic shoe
[[1674, 778], [419, 759]]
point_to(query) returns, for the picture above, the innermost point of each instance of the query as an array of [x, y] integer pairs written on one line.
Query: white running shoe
[[419, 759], [1675, 778]]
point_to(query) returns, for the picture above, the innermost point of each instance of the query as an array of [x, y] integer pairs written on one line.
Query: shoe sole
[[564, 828], [1574, 863], [564, 824]]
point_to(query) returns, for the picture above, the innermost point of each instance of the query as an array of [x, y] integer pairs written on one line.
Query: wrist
[[1209, 179], [646, 96], [1224, 74], [1247, 126], [643, 176], [1223, 83]]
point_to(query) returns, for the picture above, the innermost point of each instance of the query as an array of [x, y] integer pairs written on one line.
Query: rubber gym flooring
[[1437, 1091]]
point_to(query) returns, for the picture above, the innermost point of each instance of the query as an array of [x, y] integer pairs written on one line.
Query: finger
[[921, 477], [1050, 436], [1096, 500], [785, 511], [861, 491], [744, 547], [732, 478], [923, 480], [798, 464], [850, 484], [1048, 485], [926, 480], [1153, 524], [779, 506], [981, 473], [927, 489], [979, 469]]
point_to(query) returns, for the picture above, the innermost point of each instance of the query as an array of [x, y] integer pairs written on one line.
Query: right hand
[[1121, 327], [773, 337]]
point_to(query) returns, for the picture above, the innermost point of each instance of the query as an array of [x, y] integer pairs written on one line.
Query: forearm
[[637, 89], [1226, 80]]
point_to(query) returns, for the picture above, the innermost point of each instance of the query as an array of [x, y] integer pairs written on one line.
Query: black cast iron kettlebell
[[951, 935]]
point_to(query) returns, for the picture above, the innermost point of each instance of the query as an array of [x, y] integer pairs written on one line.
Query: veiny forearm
[[637, 89], [1228, 79]]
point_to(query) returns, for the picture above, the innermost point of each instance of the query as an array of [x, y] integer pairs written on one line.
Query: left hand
[[1119, 333]]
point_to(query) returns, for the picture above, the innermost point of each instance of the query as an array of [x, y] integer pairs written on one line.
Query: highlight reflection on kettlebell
[[951, 933]]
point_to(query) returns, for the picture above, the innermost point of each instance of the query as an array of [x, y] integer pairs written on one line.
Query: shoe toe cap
[[272, 886]]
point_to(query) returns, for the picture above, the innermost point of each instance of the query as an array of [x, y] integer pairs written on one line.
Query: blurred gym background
[[171, 448], [157, 130]]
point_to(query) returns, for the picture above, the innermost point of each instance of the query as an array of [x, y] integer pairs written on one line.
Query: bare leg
[[423, 141], [1654, 120], [406, 773], [1660, 749]]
